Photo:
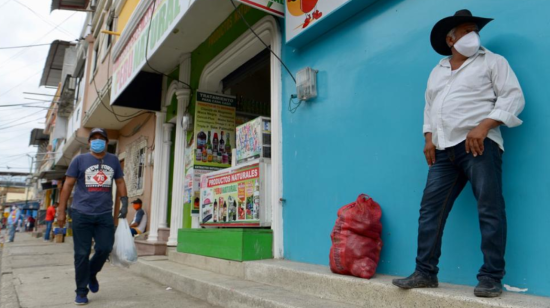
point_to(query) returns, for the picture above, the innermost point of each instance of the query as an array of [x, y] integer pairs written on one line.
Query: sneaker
[[93, 285], [81, 300], [488, 287], [416, 280]]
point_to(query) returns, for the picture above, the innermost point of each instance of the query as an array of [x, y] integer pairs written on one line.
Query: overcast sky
[[21, 70]]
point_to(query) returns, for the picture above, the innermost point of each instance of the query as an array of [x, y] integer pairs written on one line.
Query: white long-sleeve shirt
[[457, 101]]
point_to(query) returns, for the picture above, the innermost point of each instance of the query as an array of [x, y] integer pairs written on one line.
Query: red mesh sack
[[356, 238]]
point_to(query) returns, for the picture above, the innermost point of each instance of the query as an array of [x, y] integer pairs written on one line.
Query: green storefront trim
[[229, 244]]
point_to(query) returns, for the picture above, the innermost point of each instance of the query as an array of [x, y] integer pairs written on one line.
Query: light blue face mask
[[97, 145]]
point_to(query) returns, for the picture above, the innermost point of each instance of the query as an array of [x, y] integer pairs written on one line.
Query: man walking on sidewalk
[[93, 174], [50, 216], [469, 95]]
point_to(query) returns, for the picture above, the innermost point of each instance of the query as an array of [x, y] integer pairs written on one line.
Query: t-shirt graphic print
[[99, 180]]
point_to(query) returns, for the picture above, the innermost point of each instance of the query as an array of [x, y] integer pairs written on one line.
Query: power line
[[42, 36], [2, 128], [130, 117], [45, 20], [1, 5], [39, 100], [23, 118], [15, 131], [23, 104], [20, 83], [21, 154], [41, 94], [24, 46], [259, 38], [16, 136], [39, 59]]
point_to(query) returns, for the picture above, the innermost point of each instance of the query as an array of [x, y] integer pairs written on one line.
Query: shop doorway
[[251, 84], [247, 62]]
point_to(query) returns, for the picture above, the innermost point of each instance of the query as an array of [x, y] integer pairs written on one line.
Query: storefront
[[363, 134], [220, 77]]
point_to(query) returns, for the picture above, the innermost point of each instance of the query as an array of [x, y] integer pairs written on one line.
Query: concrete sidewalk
[[35, 273]]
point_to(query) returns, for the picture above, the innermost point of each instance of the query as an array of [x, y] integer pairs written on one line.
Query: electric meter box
[[253, 140], [306, 84]]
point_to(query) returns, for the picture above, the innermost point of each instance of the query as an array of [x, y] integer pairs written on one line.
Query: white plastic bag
[[124, 249]]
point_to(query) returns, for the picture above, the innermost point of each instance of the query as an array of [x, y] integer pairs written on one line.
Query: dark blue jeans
[[12, 228], [48, 230], [85, 227], [446, 179]]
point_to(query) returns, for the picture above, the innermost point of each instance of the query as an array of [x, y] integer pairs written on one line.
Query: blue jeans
[[12, 228], [446, 179], [85, 227], [48, 230]]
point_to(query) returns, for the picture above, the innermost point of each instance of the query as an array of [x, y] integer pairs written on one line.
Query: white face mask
[[468, 45]]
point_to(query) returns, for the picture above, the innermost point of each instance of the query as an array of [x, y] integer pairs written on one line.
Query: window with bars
[[134, 167]]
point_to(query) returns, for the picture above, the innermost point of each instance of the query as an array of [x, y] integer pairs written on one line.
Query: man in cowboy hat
[[469, 95]]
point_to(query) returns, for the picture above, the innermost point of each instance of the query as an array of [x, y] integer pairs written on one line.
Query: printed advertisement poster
[[214, 129], [192, 187], [302, 14], [249, 139], [232, 197]]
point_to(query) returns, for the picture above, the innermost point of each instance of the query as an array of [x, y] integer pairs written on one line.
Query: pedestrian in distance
[[469, 95], [13, 221], [29, 223], [50, 216], [93, 174]]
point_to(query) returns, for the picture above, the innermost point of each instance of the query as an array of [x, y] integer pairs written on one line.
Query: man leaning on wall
[[469, 95]]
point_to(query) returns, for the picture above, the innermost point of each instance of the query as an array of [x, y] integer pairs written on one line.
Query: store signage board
[[249, 139], [191, 182], [214, 129], [307, 20], [132, 58], [303, 14], [231, 197], [274, 7], [192, 187]]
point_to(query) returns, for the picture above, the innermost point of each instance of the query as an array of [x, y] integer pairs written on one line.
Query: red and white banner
[[235, 177], [275, 7]]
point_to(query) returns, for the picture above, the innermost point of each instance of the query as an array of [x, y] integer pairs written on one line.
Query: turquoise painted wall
[[363, 134]]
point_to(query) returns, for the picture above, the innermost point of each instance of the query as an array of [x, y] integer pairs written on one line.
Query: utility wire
[[22, 82], [39, 59], [22, 104], [2, 128], [21, 154], [23, 118], [1, 5], [36, 41], [16, 136], [45, 20], [259, 38], [24, 46], [130, 117]]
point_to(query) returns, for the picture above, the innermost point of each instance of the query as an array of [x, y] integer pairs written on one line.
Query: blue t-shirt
[[93, 193]]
